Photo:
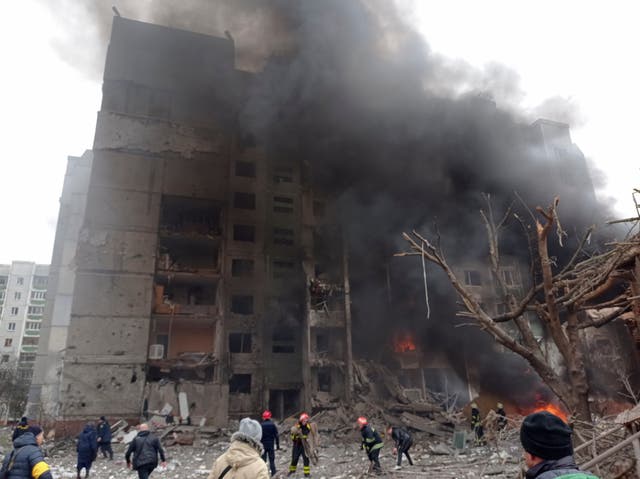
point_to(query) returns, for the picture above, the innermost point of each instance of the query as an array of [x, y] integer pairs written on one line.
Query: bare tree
[[13, 389], [559, 299]]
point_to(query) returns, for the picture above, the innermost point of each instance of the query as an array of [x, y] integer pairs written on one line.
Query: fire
[[404, 343], [552, 408]]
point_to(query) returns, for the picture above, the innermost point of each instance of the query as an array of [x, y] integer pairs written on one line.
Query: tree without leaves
[[558, 299], [13, 389]]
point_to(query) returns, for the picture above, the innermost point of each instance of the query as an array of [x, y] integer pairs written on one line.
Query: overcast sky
[[578, 51]]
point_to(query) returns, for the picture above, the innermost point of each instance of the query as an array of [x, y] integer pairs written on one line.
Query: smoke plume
[[398, 137]]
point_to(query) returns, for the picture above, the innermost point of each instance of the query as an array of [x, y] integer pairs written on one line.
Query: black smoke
[[398, 137]]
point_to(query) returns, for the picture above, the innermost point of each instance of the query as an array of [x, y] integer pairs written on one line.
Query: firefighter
[[371, 443], [476, 425], [304, 435], [269, 440], [501, 421]]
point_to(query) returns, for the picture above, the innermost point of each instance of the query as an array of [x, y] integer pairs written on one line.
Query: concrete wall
[[44, 395]]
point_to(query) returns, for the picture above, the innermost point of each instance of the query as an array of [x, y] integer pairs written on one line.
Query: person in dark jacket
[[26, 460], [269, 439], [476, 425], [403, 441], [87, 449], [548, 451], [371, 443], [21, 428], [104, 437], [145, 449], [501, 416]]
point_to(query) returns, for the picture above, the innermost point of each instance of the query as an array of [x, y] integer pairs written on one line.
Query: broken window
[[240, 384], [283, 174], [322, 343], [189, 216], [5, 358], [242, 268], [20, 281], [8, 342], [319, 208], [472, 278], [244, 233], [283, 269], [242, 304], [246, 169], [282, 204], [244, 201], [283, 340], [283, 236], [239, 342], [324, 380]]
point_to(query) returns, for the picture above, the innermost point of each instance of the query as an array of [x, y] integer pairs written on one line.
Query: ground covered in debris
[[340, 457]]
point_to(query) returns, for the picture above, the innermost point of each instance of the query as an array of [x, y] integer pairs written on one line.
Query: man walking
[[403, 442], [21, 428], [87, 449], [145, 449], [269, 439], [548, 451], [104, 437], [26, 460]]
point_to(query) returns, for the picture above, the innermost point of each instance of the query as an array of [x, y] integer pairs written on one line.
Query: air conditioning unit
[[156, 351]]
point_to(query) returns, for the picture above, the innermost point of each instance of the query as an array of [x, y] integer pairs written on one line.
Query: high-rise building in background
[[23, 294]]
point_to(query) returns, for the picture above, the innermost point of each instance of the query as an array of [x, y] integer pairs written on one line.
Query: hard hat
[[362, 421], [304, 417], [266, 414], [500, 405], [474, 405]]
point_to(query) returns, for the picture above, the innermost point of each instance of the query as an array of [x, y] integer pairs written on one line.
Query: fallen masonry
[[442, 447]]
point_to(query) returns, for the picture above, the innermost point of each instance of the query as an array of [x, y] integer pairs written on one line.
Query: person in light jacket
[[243, 459]]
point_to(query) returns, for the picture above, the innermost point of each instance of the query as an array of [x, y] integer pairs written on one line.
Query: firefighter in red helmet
[[269, 440], [371, 443], [304, 435]]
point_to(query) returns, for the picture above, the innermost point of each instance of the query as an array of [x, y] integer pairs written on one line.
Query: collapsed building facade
[[190, 259], [187, 256]]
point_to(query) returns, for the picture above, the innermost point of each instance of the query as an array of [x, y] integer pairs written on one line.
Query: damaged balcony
[[326, 308], [191, 296], [327, 347], [181, 349]]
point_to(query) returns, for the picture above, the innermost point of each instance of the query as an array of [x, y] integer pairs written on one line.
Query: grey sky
[[579, 53]]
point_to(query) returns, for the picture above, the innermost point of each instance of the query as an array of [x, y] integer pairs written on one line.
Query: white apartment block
[[23, 293]]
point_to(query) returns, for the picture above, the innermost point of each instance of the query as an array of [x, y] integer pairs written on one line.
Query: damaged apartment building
[[186, 259]]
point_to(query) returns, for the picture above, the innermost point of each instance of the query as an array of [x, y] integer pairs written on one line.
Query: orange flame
[[404, 344], [553, 409]]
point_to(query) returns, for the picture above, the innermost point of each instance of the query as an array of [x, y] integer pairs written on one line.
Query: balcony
[[325, 318]]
